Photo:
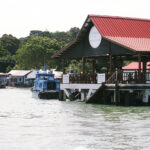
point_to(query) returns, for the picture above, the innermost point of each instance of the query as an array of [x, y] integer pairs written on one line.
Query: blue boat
[[46, 86]]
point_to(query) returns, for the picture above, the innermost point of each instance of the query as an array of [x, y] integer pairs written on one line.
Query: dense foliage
[[34, 51]]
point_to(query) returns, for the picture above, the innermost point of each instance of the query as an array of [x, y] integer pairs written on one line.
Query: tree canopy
[[10, 43], [36, 52], [6, 59], [33, 51]]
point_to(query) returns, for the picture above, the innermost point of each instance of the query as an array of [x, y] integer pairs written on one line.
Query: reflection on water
[[33, 124]]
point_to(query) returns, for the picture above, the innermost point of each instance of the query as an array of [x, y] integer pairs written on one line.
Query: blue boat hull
[[45, 94]]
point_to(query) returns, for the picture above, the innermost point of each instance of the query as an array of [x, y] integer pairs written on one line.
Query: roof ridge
[[119, 17]]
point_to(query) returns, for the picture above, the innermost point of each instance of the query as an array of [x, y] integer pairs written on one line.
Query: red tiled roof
[[121, 26], [132, 33], [135, 66], [137, 44]]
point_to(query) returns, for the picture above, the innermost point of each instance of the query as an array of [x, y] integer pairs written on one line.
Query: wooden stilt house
[[115, 39]]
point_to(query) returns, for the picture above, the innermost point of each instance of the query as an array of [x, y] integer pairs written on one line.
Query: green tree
[[10, 43], [36, 52], [73, 32], [35, 33], [40, 33], [6, 60], [61, 36]]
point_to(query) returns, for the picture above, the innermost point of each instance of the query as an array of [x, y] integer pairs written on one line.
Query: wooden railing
[[133, 76], [122, 76], [82, 78], [113, 78]]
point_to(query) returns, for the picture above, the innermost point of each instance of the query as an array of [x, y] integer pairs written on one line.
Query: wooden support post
[[93, 70], [63, 66], [110, 61], [93, 66], [110, 64], [144, 71], [83, 64], [117, 94], [120, 70], [139, 71]]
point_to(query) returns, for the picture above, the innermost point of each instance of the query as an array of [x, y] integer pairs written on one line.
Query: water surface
[[32, 124]]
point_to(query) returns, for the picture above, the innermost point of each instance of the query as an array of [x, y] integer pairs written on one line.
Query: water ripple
[[27, 123]]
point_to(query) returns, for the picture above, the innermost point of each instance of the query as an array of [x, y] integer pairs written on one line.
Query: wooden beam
[[93, 70], [144, 70], [110, 64], [93, 66], [139, 70], [83, 64], [63, 66]]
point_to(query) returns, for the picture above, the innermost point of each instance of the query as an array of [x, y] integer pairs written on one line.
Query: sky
[[19, 17]]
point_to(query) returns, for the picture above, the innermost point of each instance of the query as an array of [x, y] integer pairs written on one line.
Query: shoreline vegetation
[[33, 51]]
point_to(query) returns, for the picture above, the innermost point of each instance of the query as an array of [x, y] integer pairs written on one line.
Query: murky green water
[[31, 124]]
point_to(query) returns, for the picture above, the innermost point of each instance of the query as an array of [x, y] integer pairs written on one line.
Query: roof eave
[[72, 42]]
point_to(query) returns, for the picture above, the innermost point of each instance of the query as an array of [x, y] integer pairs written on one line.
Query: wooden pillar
[[110, 65], [117, 94], [93, 66], [83, 64], [144, 71], [120, 72], [93, 70], [110, 60], [63, 66], [139, 70]]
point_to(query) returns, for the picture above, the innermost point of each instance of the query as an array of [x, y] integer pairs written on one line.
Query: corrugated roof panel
[[19, 72], [137, 44], [122, 27], [132, 33], [135, 66]]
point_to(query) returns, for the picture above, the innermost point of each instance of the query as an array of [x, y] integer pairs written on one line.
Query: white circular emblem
[[94, 37]]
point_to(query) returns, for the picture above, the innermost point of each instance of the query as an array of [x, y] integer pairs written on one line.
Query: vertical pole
[[139, 60], [93, 70], [63, 66], [93, 66], [83, 65], [144, 71], [120, 70], [110, 64], [110, 60], [117, 94]]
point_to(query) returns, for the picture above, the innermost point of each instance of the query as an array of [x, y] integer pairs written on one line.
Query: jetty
[[113, 41]]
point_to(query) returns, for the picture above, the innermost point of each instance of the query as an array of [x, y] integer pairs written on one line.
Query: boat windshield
[[51, 85], [44, 77]]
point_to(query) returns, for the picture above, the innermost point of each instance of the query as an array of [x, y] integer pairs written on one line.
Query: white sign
[[94, 37], [66, 78], [101, 78]]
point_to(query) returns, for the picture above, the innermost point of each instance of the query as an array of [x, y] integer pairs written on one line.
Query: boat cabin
[[46, 82]]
